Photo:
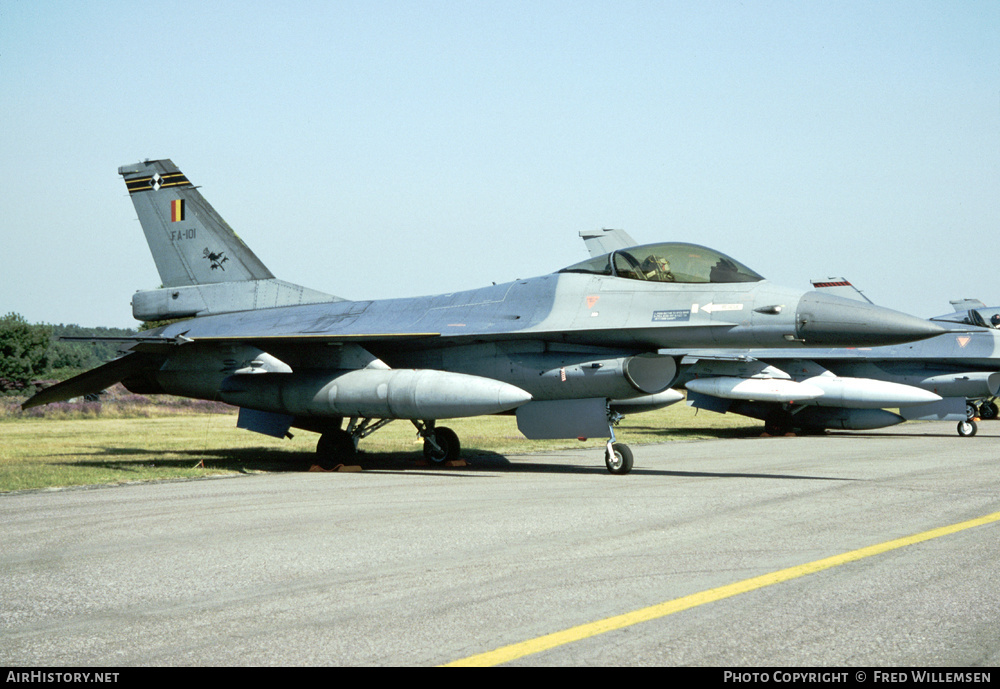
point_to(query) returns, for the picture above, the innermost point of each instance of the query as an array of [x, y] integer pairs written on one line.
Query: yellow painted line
[[585, 631]]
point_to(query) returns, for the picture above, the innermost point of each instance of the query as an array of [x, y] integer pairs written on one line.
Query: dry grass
[[134, 440]]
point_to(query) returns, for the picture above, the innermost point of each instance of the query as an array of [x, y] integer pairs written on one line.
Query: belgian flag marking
[[177, 210]]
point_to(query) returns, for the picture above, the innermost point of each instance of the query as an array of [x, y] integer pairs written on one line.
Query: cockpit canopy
[[668, 262], [986, 317]]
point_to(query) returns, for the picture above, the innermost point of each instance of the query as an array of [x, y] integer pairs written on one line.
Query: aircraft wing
[[312, 338], [149, 352], [159, 343]]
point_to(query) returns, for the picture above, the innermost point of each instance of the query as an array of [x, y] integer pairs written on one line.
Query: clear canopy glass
[[986, 317], [667, 262]]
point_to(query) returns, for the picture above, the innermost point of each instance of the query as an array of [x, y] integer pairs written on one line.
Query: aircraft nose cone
[[823, 319]]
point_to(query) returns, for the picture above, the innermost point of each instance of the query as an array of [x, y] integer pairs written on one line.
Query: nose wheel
[[967, 429], [618, 458]]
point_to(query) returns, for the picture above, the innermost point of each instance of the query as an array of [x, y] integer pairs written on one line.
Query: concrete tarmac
[[429, 566]]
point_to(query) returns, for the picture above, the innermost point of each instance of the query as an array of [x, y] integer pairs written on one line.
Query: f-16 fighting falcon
[[564, 352], [940, 378]]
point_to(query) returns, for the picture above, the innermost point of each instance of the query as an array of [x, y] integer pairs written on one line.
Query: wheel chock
[[450, 463]]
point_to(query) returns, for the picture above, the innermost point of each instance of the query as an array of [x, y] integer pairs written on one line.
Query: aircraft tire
[[778, 423], [967, 429], [971, 411], [334, 447], [448, 448], [775, 429], [621, 462], [988, 410]]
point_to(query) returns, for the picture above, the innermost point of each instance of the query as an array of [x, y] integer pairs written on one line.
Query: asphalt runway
[[408, 566]]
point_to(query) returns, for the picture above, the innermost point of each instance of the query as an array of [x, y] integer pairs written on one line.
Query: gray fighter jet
[[564, 352], [940, 378]]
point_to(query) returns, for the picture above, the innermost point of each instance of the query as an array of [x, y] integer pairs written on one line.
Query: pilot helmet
[[656, 262]]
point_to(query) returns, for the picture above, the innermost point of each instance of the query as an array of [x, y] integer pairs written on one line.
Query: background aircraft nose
[[823, 319]]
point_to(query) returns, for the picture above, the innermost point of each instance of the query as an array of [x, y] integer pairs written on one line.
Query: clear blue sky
[[377, 149]]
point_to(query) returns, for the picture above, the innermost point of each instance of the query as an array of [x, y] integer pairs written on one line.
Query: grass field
[[110, 446]]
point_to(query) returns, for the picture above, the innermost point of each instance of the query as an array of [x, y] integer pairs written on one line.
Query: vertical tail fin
[[204, 267], [191, 244], [604, 241]]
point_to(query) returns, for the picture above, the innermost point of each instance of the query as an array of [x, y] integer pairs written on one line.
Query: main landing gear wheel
[[621, 461], [988, 410], [442, 446], [776, 428], [334, 447], [778, 423], [967, 429]]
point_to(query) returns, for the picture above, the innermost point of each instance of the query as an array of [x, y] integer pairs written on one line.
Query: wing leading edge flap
[[96, 379], [317, 338], [140, 343], [162, 345]]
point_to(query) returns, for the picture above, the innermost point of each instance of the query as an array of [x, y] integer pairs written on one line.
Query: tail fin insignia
[[204, 266], [157, 182], [188, 239]]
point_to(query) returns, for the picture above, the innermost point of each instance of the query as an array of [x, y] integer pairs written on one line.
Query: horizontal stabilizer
[[95, 380]]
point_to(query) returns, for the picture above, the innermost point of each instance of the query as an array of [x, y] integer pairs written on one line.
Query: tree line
[[29, 352]]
